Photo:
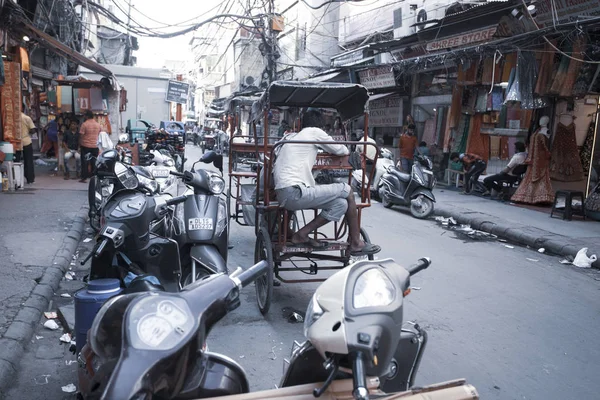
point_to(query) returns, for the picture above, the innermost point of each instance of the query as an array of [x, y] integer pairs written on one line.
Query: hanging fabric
[[545, 70], [574, 67], [561, 73], [536, 187], [10, 99], [477, 142], [586, 150], [565, 164]]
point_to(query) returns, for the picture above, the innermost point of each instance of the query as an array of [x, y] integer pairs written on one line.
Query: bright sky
[[153, 51]]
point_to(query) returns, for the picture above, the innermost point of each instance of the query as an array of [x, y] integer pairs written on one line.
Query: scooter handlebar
[[245, 278], [179, 174], [176, 200], [422, 264]]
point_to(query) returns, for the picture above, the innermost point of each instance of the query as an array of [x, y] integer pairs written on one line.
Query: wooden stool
[[568, 211]]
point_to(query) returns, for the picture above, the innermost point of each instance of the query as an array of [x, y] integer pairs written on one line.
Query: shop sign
[[386, 111], [464, 39], [347, 58], [565, 10], [178, 92], [377, 78]]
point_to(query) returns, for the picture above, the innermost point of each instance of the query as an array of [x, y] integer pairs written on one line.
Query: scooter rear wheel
[[263, 250]]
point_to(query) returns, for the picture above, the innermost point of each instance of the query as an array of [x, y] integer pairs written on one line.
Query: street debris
[[69, 362], [566, 261], [541, 250], [508, 246], [532, 259], [50, 315], [87, 240], [464, 230], [65, 295], [415, 288], [51, 324], [69, 276], [40, 162], [70, 388], [582, 260], [446, 221], [292, 315], [272, 354], [66, 338], [242, 356], [38, 337], [41, 380]]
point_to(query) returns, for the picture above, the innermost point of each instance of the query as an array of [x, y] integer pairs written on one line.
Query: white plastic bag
[[582, 260]]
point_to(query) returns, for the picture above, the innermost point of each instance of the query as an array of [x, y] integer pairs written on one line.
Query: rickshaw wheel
[[263, 250], [365, 237]]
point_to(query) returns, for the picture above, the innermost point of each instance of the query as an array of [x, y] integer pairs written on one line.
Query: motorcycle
[[413, 190], [142, 235], [149, 345], [384, 161], [105, 181]]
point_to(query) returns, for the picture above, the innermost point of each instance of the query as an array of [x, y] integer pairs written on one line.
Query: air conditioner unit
[[434, 13], [403, 19]]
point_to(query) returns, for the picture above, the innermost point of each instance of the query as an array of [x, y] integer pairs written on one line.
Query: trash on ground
[[415, 288], [65, 295], [242, 356], [272, 354], [532, 259], [50, 315], [40, 162], [66, 338], [72, 264], [295, 317], [41, 380], [51, 324], [582, 260], [541, 250], [566, 262], [292, 315], [446, 221], [69, 276], [508, 246], [38, 337], [69, 362], [70, 388], [87, 240], [503, 240]]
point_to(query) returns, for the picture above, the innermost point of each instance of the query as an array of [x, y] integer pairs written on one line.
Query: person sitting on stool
[[473, 166], [494, 182]]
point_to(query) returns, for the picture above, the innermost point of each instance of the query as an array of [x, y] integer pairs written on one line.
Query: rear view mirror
[[208, 157]]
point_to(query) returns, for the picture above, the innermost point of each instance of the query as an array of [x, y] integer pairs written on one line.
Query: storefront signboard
[[565, 10], [178, 92], [386, 111], [375, 78], [464, 39], [347, 58]]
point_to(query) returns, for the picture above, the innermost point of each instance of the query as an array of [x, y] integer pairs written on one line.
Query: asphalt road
[[515, 323]]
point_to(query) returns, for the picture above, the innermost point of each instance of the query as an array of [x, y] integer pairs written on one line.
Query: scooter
[[384, 161], [160, 168], [412, 190], [149, 345]]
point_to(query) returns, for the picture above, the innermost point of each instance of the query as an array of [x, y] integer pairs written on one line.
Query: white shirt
[[294, 163], [516, 160]]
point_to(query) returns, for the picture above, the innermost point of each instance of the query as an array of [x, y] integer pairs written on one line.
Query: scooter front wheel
[[384, 197], [421, 207]]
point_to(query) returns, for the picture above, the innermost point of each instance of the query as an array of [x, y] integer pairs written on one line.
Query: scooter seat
[[404, 177]]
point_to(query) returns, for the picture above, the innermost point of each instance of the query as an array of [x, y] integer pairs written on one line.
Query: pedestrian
[[71, 145], [51, 139], [88, 141], [422, 149], [473, 166], [408, 144], [494, 182], [27, 129]]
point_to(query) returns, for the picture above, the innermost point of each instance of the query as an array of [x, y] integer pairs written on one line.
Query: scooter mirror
[[208, 157]]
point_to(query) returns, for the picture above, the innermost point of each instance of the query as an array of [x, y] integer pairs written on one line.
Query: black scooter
[[412, 190], [143, 235]]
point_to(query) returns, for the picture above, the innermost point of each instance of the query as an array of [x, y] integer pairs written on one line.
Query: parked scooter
[[384, 161], [412, 190], [148, 345], [160, 167]]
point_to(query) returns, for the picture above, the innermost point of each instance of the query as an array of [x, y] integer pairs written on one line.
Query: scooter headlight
[[373, 289], [313, 313], [216, 184]]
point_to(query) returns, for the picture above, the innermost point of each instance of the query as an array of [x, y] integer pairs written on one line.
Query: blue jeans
[[406, 165]]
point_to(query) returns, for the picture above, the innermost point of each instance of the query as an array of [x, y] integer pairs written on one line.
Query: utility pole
[[178, 116], [128, 47], [272, 44]]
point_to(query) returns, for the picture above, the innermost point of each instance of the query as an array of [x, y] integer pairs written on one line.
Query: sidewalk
[[531, 226], [40, 228]]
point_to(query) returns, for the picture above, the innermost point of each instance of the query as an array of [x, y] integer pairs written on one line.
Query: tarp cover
[[349, 99]]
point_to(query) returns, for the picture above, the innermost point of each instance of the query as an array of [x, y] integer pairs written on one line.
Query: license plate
[[160, 173], [196, 224]]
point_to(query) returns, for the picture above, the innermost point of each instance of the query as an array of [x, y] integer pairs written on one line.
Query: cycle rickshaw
[[273, 223]]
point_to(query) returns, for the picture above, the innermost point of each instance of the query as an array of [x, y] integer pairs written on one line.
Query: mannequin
[[536, 187], [565, 163]]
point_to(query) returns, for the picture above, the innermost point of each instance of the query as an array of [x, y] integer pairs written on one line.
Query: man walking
[[27, 128], [71, 146], [494, 182], [88, 140], [408, 144]]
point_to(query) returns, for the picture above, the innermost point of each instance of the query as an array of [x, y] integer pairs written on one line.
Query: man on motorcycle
[[296, 188]]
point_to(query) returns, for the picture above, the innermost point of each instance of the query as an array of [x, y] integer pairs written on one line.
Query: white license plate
[[196, 224], [160, 173]]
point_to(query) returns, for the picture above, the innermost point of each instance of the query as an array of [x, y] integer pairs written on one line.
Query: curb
[[525, 235], [20, 331]]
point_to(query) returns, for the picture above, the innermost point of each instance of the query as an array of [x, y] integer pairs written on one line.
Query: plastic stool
[[568, 211]]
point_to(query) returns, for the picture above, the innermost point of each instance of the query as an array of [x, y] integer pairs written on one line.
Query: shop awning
[[338, 76], [51, 43]]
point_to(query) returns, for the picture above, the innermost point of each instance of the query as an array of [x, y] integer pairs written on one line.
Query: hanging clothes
[[536, 187], [565, 164], [586, 151], [573, 71], [477, 142], [455, 107], [10, 100], [561, 73], [429, 132], [546, 69]]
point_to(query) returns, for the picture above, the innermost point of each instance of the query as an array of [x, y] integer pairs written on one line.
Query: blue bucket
[[88, 302]]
